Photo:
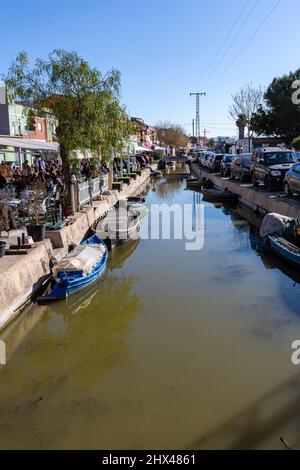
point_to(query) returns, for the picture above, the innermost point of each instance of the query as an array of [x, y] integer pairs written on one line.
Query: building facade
[[19, 120], [145, 135], [248, 145]]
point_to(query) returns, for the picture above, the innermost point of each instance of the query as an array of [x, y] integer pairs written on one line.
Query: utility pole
[[198, 112], [193, 125]]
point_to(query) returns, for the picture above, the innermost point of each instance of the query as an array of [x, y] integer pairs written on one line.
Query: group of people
[[49, 173]]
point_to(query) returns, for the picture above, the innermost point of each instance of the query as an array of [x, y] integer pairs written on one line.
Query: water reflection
[[173, 350], [73, 349], [274, 416], [165, 191], [122, 253]]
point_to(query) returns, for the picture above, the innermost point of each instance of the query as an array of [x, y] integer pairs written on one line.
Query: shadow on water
[[274, 415]]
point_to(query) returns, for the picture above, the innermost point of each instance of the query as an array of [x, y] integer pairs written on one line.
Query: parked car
[[205, 158], [226, 165], [214, 162], [298, 156], [241, 167], [292, 180], [269, 166], [200, 155]]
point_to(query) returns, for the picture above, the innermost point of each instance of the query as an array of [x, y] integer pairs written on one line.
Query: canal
[[175, 349]]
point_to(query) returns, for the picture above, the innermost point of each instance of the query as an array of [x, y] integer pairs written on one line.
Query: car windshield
[[277, 158], [228, 159], [218, 158]]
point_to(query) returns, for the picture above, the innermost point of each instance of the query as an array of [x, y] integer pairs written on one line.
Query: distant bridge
[[176, 159]]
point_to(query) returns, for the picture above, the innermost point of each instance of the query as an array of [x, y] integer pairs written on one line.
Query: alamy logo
[[296, 354], [2, 353], [161, 222], [296, 94]]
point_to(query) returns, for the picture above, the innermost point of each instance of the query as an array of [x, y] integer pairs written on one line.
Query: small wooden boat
[[135, 201], [281, 235], [79, 269], [138, 204], [217, 195], [285, 249], [119, 225], [156, 174], [198, 183]]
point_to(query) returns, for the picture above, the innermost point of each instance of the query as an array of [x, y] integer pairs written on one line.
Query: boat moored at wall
[[80, 268]]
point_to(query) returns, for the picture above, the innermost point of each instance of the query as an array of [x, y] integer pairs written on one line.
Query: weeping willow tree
[[85, 103]]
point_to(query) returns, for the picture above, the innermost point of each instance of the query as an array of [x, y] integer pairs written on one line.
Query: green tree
[[296, 143], [279, 115], [84, 102]]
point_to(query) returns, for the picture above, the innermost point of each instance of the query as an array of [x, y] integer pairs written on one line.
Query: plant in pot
[[67, 206], [7, 219], [36, 228]]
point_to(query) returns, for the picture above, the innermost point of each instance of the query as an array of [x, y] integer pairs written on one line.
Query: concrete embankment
[[20, 274], [257, 199]]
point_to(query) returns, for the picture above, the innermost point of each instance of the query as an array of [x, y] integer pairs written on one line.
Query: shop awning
[[140, 148], [29, 144]]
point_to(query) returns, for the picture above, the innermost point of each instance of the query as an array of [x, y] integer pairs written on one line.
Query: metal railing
[[88, 190], [104, 183]]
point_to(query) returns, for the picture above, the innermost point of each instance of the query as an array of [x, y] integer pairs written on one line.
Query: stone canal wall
[[20, 274], [256, 199]]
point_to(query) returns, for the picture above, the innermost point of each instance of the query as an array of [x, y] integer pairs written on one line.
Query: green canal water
[[174, 349]]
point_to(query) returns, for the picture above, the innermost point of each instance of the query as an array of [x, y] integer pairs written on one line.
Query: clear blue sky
[[163, 47]]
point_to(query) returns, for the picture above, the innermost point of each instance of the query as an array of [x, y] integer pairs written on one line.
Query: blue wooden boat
[[285, 249], [70, 279]]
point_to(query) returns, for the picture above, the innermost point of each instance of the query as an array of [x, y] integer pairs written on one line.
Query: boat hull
[[69, 282], [140, 208], [285, 250], [219, 196], [119, 229]]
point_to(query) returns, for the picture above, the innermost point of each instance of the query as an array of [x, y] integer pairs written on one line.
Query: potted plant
[[36, 228], [7, 219], [2, 248]]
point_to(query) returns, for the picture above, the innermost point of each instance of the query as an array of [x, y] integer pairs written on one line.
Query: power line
[[209, 124], [247, 43], [233, 41], [223, 42]]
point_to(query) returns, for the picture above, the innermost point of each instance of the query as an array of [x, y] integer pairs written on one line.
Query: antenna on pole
[[198, 94]]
